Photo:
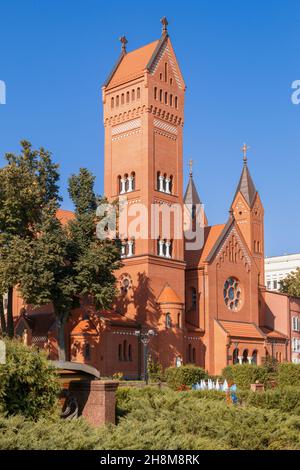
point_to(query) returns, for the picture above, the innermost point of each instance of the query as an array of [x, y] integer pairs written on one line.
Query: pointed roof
[[191, 195], [168, 296], [241, 329], [246, 186]]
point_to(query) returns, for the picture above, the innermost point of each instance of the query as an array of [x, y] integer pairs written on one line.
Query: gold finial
[[164, 23], [244, 149], [191, 167], [123, 41]]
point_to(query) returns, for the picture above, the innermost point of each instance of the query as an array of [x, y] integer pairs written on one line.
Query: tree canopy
[[291, 284]]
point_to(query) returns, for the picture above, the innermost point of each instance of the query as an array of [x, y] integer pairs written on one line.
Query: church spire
[[191, 198], [246, 186]]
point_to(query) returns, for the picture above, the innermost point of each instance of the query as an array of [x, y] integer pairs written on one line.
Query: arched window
[[112, 103], [166, 71], [133, 95], [194, 355], [117, 100], [155, 93], [125, 350], [160, 95], [254, 357], [127, 97], [132, 181], [178, 320], [119, 184], [168, 320], [258, 247], [122, 98], [129, 352], [158, 181], [171, 100], [189, 353], [171, 184], [138, 93], [120, 352], [245, 356], [87, 352], [235, 356], [194, 297], [166, 97], [176, 102]]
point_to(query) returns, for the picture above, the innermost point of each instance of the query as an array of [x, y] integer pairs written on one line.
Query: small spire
[[244, 149], [123, 41], [164, 23], [191, 167]]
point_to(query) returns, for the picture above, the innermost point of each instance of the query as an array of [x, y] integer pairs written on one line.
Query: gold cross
[[244, 149], [191, 167]]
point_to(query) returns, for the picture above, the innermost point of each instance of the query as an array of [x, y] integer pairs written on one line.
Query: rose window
[[232, 294]]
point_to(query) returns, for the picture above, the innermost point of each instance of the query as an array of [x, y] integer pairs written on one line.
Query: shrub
[[155, 370], [285, 399], [29, 385], [183, 375], [288, 374], [243, 375]]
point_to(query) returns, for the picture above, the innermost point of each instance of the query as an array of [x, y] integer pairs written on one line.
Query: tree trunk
[[2, 317], [10, 317], [61, 323]]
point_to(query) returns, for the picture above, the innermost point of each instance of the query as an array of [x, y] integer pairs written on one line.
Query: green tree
[[291, 284], [65, 263], [28, 182]]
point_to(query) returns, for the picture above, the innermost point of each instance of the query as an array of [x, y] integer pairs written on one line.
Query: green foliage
[[270, 364], [183, 375], [152, 419], [288, 374], [285, 399], [155, 370], [28, 384], [291, 284], [243, 375]]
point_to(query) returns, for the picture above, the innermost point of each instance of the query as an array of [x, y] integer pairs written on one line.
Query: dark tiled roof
[[246, 186], [191, 195]]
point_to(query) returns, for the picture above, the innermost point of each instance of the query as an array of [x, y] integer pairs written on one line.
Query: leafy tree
[[28, 182], [65, 263], [291, 284]]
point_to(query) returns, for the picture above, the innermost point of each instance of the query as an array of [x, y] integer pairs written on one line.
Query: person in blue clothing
[[231, 393]]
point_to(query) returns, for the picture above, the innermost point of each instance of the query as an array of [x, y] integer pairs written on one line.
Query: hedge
[[288, 374], [243, 375], [28, 384], [188, 375]]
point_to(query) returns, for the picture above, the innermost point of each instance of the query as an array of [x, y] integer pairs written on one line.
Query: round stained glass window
[[232, 294]]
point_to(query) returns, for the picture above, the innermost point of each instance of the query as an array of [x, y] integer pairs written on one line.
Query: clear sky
[[238, 58]]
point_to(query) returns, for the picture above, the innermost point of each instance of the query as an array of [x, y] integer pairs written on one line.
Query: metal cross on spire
[[123, 41], [244, 149], [164, 23], [191, 167]]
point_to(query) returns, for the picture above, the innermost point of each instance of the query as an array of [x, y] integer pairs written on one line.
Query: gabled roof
[[246, 186], [84, 327], [222, 234], [131, 65], [241, 329], [117, 319], [168, 296], [273, 333]]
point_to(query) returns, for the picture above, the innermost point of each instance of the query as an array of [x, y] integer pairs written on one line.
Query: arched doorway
[[235, 356], [254, 357], [245, 356]]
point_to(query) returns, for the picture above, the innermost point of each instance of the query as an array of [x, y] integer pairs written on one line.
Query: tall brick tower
[[143, 101]]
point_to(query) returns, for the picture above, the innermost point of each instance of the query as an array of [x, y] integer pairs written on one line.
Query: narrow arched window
[[166, 97], [132, 181], [122, 98], [133, 95], [176, 102], [166, 72], [194, 297], [120, 355], [125, 350], [160, 95], [117, 100], [190, 353], [112, 103], [138, 93], [130, 352], [127, 97], [171, 100], [178, 320], [168, 320], [155, 93]]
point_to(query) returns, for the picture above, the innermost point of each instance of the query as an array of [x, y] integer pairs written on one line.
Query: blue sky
[[239, 59]]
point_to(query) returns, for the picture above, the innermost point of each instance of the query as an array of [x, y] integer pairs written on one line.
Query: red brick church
[[207, 306]]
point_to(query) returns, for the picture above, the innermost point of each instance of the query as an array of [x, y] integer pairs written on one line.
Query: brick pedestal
[[96, 400]]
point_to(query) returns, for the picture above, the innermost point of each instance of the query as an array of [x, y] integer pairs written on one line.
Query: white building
[[278, 267]]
